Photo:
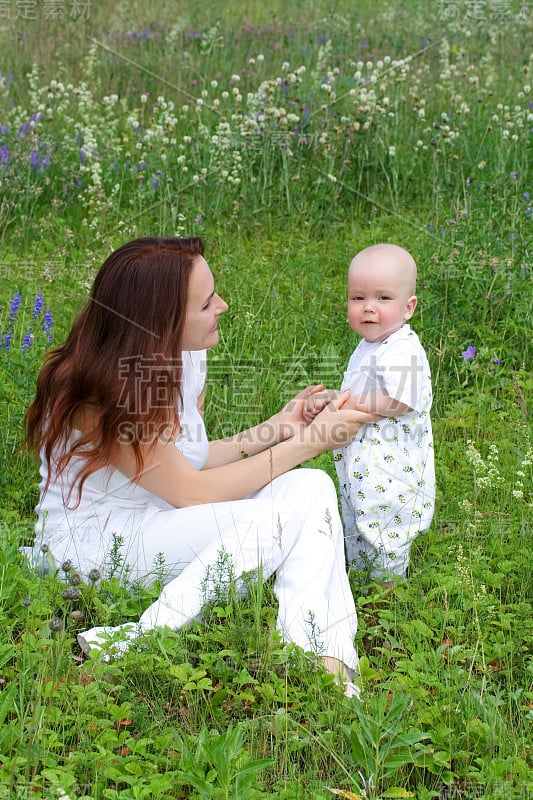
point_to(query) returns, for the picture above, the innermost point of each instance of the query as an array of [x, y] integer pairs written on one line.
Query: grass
[[350, 126]]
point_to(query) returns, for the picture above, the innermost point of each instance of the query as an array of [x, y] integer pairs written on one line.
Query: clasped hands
[[321, 416]]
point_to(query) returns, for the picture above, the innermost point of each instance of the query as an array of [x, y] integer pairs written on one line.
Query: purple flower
[[469, 353], [5, 158], [496, 361], [7, 341], [468, 181], [27, 341], [15, 305], [198, 218], [47, 323], [37, 306]]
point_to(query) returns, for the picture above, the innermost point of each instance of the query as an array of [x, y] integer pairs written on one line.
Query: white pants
[[290, 528]]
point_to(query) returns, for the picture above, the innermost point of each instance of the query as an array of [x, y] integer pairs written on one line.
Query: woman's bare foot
[[337, 668]]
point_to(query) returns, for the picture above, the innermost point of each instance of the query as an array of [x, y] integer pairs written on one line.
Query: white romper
[[386, 475], [291, 528]]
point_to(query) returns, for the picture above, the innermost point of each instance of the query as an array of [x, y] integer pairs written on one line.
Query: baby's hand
[[316, 403]]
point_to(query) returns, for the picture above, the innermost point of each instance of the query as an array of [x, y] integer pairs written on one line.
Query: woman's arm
[[281, 426], [168, 474]]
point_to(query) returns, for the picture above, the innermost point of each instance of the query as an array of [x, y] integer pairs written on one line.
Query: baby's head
[[381, 291]]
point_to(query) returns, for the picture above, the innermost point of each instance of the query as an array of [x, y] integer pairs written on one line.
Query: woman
[[118, 420]]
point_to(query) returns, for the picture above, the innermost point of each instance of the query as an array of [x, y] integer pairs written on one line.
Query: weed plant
[[290, 137]]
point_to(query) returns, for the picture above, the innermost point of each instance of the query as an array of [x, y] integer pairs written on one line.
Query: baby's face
[[379, 297]]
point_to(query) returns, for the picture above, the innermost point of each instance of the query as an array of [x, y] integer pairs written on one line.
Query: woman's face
[[204, 306]]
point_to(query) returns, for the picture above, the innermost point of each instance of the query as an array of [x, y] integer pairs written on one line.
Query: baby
[[386, 475]]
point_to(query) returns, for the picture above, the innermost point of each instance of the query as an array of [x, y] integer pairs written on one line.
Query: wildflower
[[37, 306], [7, 341], [469, 353], [27, 340], [15, 305], [47, 323], [94, 575], [75, 579], [56, 624]]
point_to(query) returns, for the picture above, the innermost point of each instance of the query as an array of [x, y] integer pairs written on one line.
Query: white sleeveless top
[[108, 489]]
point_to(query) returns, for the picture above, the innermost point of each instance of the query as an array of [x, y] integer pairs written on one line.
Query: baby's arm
[[379, 403]]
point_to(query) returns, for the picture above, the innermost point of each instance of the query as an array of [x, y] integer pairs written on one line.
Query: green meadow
[[288, 135]]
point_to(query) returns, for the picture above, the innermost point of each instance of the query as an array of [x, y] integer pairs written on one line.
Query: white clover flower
[[260, 57], [392, 151], [214, 84], [225, 95]]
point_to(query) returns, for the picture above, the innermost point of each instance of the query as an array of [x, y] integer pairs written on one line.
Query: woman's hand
[[295, 416], [335, 426], [317, 401]]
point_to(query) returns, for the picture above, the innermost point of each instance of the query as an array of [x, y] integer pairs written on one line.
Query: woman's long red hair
[[122, 358]]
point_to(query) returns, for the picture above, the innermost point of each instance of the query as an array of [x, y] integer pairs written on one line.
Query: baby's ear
[[410, 307]]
